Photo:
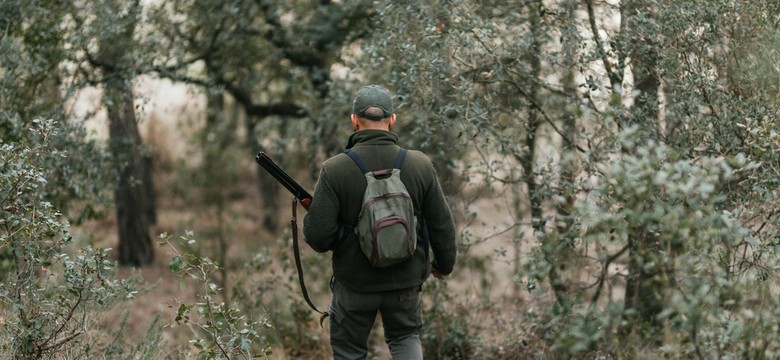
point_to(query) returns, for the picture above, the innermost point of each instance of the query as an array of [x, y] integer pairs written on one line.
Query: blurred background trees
[[612, 164]]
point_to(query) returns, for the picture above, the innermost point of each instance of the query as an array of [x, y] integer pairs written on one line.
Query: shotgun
[[303, 196]]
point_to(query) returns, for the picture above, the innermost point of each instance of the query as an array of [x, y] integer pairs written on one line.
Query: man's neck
[[374, 126]]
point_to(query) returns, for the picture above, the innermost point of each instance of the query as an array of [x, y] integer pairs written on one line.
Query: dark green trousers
[[352, 315]]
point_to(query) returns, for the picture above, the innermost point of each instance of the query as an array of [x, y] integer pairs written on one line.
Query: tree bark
[[134, 193], [644, 285], [218, 134], [568, 175], [528, 158], [135, 244], [147, 169], [267, 185]]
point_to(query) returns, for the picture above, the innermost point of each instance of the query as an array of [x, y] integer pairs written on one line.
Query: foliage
[[50, 299], [624, 145], [701, 248], [271, 287], [34, 86], [219, 329], [562, 92]]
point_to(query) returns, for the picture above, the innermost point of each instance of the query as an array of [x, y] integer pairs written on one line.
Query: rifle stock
[[303, 196]]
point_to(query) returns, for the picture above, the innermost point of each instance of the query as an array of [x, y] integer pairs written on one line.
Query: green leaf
[[176, 264]]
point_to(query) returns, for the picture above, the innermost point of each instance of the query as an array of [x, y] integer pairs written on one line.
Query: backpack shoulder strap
[[399, 160], [358, 160]]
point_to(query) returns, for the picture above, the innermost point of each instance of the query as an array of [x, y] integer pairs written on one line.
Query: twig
[[605, 272], [615, 79]]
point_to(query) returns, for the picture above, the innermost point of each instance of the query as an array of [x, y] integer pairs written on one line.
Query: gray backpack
[[386, 226]]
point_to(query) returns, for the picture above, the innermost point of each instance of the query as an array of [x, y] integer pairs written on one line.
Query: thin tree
[[132, 193], [644, 283]]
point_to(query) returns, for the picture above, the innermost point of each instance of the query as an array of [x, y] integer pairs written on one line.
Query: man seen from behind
[[360, 289]]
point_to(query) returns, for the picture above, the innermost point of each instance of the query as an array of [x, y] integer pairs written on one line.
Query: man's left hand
[[435, 272]]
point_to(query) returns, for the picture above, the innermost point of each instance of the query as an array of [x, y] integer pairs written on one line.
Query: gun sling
[[300, 195]]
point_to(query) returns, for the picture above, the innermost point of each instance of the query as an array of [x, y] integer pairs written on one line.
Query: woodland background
[[612, 165]]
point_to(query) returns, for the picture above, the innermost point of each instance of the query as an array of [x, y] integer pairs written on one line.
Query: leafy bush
[[219, 329], [49, 298], [715, 285]]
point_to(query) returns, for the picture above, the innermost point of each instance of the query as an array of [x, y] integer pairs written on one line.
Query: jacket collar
[[372, 137]]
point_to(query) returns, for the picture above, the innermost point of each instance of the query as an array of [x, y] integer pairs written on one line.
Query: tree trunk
[[135, 244], [134, 193], [268, 186], [147, 169], [218, 134], [644, 285], [558, 249], [527, 161], [568, 175]]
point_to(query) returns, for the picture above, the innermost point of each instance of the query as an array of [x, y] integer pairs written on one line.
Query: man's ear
[[392, 122], [355, 124]]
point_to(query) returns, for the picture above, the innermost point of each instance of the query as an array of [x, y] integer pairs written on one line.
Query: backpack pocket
[[387, 249]]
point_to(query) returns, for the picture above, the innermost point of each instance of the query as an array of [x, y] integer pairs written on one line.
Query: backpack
[[386, 226]]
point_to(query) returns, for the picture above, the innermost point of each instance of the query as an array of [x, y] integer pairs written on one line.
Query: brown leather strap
[[297, 255]]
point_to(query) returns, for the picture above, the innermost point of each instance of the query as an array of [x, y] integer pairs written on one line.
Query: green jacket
[[338, 197]]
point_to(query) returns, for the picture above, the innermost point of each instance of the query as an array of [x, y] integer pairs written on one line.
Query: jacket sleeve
[[441, 228], [320, 225]]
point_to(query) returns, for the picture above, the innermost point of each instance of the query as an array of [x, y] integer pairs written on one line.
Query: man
[[360, 290]]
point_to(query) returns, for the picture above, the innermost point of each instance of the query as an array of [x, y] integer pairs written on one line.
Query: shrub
[[49, 297], [219, 329]]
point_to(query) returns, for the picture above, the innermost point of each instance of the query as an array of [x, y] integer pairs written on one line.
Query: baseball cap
[[373, 96]]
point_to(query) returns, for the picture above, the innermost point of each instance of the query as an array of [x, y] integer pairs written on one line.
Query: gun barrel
[[293, 187]]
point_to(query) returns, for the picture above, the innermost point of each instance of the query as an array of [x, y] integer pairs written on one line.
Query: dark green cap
[[373, 96]]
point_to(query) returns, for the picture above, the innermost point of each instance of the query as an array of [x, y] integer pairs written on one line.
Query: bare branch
[[615, 79]]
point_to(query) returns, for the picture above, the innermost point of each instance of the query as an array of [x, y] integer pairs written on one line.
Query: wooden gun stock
[[303, 196]]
